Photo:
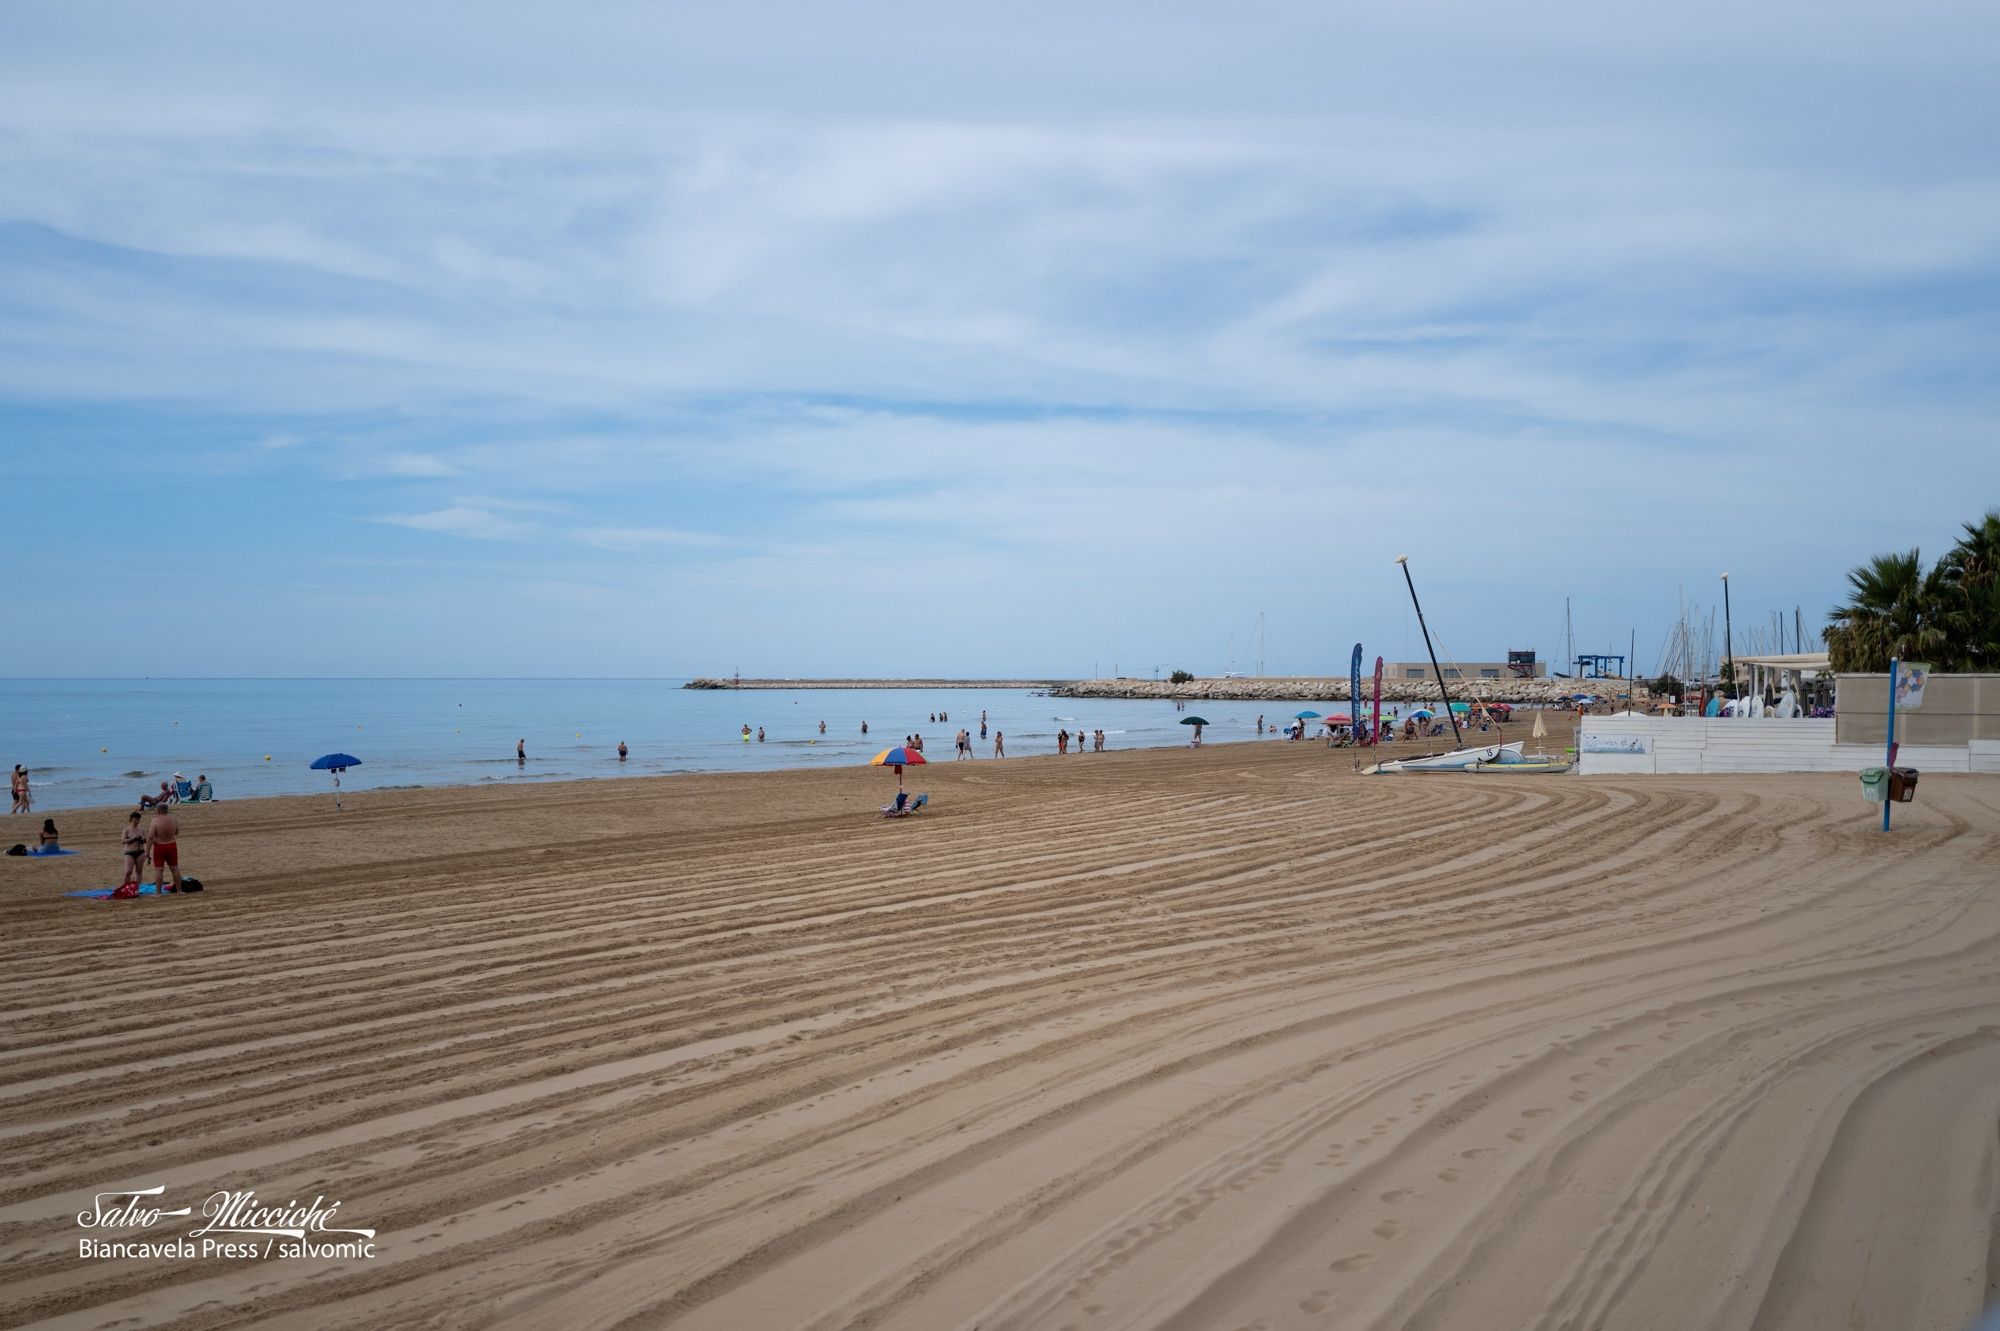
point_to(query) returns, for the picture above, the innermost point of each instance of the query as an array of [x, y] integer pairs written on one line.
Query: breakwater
[[732, 683], [1267, 688]]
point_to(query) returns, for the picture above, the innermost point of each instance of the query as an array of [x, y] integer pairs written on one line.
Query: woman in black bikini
[[135, 852]]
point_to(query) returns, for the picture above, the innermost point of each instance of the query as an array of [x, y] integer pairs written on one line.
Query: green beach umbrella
[[1194, 720]]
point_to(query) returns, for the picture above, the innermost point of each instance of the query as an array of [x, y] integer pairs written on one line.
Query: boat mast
[[1457, 739]]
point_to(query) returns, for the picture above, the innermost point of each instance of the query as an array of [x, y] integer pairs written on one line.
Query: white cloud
[[625, 539], [463, 520]]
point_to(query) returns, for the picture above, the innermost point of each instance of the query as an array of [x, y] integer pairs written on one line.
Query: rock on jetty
[[1267, 688]]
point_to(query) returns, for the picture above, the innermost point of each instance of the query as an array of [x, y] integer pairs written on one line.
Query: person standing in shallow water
[[622, 750], [521, 751], [999, 744]]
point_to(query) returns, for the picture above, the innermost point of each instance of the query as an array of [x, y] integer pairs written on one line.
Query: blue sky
[[884, 339]]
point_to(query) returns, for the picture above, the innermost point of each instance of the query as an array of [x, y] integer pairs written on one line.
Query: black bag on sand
[[17, 849], [190, 884]]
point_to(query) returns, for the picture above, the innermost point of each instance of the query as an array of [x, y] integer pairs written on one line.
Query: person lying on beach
[[165, 797], [50, 840]]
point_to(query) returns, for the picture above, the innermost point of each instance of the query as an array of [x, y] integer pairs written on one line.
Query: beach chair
[[183, 790], [905, 806], [202, 794]]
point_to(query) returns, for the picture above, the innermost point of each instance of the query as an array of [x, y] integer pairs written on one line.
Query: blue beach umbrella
[[335, 763], [1422, 714], [1306, 715]]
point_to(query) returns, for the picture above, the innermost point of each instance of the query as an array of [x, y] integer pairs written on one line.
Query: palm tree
[[1895, 609], [1969, 612]]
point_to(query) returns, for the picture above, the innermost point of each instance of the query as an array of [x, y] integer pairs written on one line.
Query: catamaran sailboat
[[1504, 757]]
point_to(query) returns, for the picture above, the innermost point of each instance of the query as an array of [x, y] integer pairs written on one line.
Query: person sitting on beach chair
[[905, 806], [164, 798], [203, 793]]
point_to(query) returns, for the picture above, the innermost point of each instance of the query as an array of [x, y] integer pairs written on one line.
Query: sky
[[1030, 340]]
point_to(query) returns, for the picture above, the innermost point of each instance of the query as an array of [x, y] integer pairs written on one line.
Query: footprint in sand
[[1317, 1302], [1478, 1153], [1395, 1195], [1517, 1134], [1388, 1229], [1886, 1044], [1537, 1112], [1577, 1077], [1578, 1097], [1352, 1262], [1449, 1175]]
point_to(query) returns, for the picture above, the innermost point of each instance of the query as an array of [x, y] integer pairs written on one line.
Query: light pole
[[1728, 643]]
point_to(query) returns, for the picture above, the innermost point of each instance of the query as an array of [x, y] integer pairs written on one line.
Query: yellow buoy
[[267, 757]]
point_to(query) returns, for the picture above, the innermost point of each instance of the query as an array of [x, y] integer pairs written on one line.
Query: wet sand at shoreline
[[1159, 1038]]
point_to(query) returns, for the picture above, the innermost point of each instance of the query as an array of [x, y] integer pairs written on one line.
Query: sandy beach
[[1174, 1039]]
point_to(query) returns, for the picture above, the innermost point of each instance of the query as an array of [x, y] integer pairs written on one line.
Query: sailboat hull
[[1458, 760]]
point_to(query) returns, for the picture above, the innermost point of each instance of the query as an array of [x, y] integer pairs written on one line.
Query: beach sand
[[1216, 1039]]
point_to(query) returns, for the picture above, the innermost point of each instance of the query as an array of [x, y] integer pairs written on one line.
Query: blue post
[[1895, 667]]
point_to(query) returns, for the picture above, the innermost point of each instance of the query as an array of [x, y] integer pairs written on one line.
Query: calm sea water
[[96, 742]]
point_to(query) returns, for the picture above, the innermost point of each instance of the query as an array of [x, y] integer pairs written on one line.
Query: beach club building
[[1955, 729]]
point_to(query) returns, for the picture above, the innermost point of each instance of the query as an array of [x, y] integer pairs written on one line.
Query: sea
[[91, 742]]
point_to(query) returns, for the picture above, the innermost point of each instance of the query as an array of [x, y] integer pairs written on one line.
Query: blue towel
[[51, 854], [105, 893]]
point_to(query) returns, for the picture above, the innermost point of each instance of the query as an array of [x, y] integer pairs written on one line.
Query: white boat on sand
[[1458, 760]]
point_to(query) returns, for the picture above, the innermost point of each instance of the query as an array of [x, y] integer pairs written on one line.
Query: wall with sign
[[1955, 709], [1609, 745]]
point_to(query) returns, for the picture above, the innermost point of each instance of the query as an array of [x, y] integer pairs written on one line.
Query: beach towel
[[111, 893], [50, 854]]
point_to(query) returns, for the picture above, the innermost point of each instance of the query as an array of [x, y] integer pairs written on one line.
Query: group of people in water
[[1093, 740]]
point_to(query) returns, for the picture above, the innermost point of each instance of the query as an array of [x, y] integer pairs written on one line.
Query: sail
[[1354, 691], [1375, 709]]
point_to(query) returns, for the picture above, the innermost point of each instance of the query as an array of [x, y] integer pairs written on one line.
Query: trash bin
[[1875, 783], [1902, 784]]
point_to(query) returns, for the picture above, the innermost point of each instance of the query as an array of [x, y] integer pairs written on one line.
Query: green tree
[[1969, 599], [1180, 677], [1894, 609]]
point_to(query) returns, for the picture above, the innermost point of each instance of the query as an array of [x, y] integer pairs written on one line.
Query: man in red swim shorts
[[160, 840]]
